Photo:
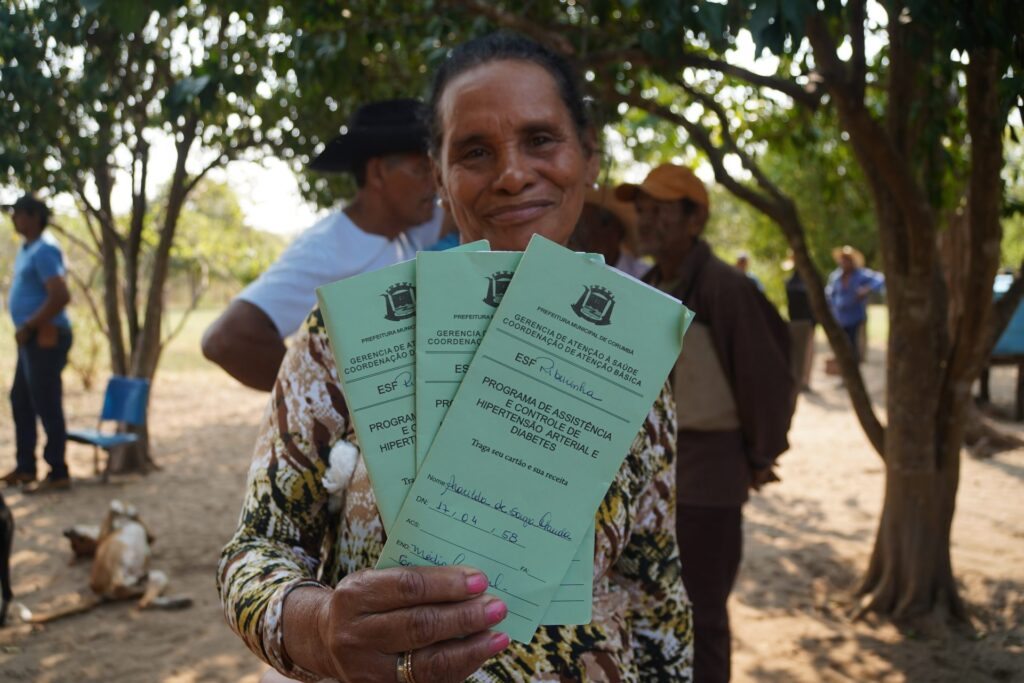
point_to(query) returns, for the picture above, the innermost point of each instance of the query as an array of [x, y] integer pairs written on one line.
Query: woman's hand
[[364, 626]]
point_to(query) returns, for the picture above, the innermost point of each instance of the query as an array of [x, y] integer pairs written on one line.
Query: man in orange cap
[[733, 392]]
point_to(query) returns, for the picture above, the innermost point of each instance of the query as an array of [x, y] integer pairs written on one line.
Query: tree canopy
[[86, 90], [902, 108], [882, 124]]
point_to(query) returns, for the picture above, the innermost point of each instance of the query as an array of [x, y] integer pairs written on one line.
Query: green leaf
[[774, 38], [91, 5], [712, 19], [760, 22], [795, 12], [186, 90], [129, 16]]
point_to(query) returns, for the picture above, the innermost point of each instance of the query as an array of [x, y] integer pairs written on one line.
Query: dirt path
[[806, 538], [203, 427]]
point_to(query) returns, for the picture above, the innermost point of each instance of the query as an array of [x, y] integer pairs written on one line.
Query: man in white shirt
[[392, 215]]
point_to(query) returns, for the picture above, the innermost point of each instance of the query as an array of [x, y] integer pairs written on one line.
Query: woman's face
[[511, 162]]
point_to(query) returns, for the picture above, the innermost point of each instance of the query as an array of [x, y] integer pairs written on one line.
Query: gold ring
[[405, 668]]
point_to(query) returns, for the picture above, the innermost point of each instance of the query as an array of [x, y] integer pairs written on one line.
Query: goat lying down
[[120, 566]]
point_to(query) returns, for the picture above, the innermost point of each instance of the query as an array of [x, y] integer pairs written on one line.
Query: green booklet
[[457, 297], [370, 320], [566, 373]]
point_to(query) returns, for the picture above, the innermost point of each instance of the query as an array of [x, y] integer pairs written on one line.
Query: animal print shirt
[[292, 530]]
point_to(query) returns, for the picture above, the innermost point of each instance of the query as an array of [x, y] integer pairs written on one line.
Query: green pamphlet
[[457, 297], [566, 373], [370, 321]]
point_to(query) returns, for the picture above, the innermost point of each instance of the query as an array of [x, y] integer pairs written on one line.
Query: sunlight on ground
[[807, 541]]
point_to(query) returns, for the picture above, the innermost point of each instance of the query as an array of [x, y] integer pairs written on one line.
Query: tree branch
[[804, 95], [984, 210], [716, 156], [781, 209], [192, 182], [76, 240], [730, 142], [105, 187], [146, 348], [517, 23], [886, 169], [85, 287], [808, 96], [87, 210], [107, 242], [133, 244], [197, 295], [968, 351], [858, 62]]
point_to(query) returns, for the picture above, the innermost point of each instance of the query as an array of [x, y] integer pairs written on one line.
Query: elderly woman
[[513, 153]]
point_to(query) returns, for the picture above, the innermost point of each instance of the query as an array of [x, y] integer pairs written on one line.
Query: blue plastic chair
[[125, 403], [1011, 341], [1009, 349]]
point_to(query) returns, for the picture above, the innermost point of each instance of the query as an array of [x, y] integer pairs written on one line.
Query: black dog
[[6, 540]]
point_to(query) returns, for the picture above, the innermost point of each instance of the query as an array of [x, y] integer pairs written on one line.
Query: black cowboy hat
[[376, 129]]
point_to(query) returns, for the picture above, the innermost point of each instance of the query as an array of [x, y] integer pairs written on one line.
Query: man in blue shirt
[[37, 299], [847, 292]]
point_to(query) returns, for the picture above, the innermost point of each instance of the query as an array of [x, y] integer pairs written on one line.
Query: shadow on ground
[[793, 570]]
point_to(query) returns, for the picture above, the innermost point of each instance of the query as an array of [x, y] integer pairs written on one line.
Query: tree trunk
[[931, 342], [133, 244], [910, 574], [134, 458], [147, 345], [111, 286]]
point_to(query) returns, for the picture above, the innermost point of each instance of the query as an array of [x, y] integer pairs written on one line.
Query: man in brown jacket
[[733, 393]]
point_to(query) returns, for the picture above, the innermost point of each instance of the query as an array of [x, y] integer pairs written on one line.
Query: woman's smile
[[519, 212]]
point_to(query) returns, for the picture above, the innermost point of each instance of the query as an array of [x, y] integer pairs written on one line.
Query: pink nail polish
[[495, 612], [476, 583], [499, 641]]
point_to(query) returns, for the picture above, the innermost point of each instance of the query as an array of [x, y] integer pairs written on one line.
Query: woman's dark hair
[[499, 47]]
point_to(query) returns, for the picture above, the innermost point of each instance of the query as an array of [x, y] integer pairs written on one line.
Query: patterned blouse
[[292, 530]]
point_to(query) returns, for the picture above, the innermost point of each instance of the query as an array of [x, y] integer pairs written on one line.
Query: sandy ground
[[807, 539]]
